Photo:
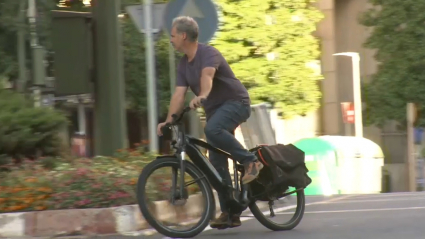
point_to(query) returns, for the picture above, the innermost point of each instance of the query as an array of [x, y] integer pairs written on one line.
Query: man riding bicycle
[[225, 100]]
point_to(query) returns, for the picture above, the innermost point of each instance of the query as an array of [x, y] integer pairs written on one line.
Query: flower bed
[[52, 183]]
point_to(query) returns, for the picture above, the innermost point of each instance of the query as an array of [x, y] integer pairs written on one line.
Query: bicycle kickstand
[[272, 214]]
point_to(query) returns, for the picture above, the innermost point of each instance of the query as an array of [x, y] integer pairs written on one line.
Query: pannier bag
[[284, 165]]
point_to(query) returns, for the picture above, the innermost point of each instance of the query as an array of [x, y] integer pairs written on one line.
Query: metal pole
[[37, 53], [411, 162], [151, 85], [31, 18], [81, 118], [172, 63], [357, 96], [21, 47], [172, 70]]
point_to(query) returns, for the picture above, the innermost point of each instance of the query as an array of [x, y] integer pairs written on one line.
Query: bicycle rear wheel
[[204, 188], [262, 215]]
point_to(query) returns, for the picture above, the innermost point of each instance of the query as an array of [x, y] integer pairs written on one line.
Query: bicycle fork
[[174, 193], [182, 171]]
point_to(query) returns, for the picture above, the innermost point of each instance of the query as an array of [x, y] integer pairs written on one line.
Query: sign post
[[148, 19], [348, 116], [355, 58], [411, 114]]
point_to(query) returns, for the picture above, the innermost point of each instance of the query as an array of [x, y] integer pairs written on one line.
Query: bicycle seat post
[[235, 175]]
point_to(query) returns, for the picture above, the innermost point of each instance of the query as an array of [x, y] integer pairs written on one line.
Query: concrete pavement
[[378, 216]]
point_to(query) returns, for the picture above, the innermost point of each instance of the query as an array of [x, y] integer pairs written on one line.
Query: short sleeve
[[181, 75], [211, 57]]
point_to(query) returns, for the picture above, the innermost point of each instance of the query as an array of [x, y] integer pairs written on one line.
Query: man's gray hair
[[188, 25]]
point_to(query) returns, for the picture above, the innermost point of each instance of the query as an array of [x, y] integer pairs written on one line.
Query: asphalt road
[[380, 216]]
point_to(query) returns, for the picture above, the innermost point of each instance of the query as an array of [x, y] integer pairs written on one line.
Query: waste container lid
[[348, 146], [313, 146]]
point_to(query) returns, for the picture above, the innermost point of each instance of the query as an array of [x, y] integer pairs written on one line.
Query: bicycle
[[239, 196]]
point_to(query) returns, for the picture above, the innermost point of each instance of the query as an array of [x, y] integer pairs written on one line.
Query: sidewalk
[[102, 221]]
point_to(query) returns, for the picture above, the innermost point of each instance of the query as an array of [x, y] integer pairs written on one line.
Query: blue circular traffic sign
[[203, 11]]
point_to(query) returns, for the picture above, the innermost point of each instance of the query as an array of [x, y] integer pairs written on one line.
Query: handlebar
[[177, 118]]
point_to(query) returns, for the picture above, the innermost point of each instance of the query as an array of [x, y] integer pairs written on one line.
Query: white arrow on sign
[[190, 9]]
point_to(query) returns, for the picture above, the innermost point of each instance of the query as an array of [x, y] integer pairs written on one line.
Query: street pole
[[151, 84], [172, 63], [21, 47], [172, 70], [34, 45], [357, 96], [411, 160], [358, 121]]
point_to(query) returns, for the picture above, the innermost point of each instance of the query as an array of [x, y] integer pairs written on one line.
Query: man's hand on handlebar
[[176, 119], [194, 103], [197, 102], [159, 129]]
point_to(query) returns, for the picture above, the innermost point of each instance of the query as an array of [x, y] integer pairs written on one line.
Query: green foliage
[[135, 65], [253, 30], [133, 47], [9, 25], [28, 131], [245, 38], [398, 36], [135, 68]]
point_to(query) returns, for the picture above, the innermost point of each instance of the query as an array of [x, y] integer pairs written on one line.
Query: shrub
[[26, 131], [57, 183], [67, 184]]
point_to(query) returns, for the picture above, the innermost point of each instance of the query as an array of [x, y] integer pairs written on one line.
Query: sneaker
[[252, 170], [222, 222]]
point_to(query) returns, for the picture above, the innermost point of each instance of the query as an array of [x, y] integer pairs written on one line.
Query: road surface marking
[[361, 210]]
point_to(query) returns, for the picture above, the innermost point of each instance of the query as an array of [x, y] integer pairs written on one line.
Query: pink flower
[[82, 171], [84, 202], [61, 195], [79, 194], [118, 195], [97, 186]]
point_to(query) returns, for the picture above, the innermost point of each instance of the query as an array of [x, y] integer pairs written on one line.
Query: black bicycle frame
[[188, 145]]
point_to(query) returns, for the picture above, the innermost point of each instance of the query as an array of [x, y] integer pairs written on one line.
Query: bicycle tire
[[296, 219], [203, 184]]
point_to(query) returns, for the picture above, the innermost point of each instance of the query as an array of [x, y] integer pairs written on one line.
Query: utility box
[[72, 38]]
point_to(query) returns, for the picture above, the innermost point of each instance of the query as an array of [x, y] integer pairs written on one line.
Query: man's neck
[[191, 51]]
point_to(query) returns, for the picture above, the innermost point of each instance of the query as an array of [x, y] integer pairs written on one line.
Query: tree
[[135, 68], [9, 25], [133, 47], [270, 46], [398, 35]]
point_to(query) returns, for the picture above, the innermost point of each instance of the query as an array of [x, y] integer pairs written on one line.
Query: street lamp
[[358, 124]]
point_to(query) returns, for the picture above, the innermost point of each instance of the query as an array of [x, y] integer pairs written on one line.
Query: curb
[[101, 221]]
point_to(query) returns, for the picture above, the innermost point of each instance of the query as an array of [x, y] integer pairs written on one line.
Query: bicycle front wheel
[[166, 225]]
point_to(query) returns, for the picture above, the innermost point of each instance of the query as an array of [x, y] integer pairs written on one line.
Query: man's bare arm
[[177, 102], [206, 81]]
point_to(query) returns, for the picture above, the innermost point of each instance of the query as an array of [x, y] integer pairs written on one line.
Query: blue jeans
[[220, 133]]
